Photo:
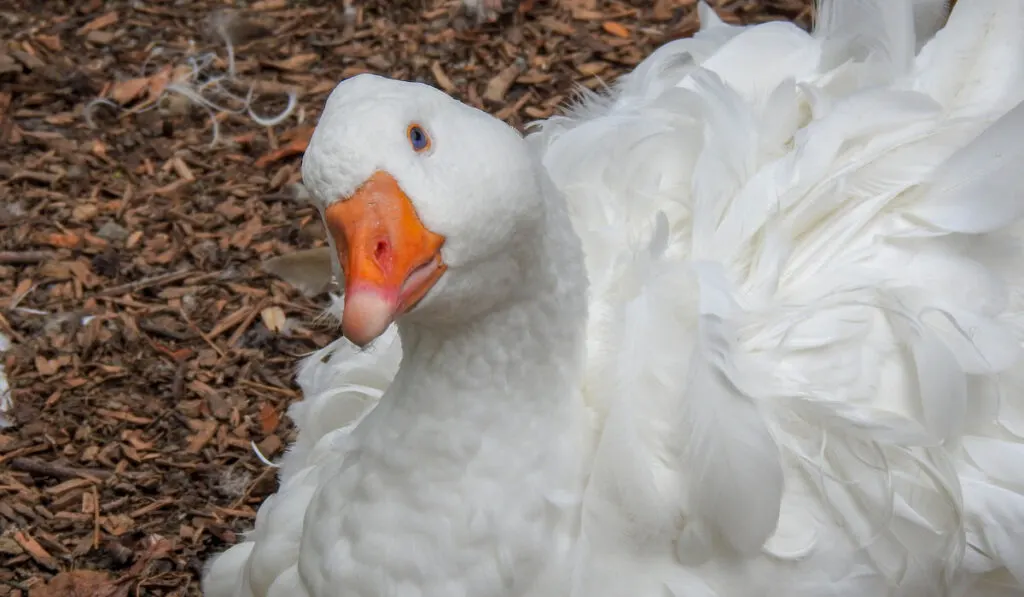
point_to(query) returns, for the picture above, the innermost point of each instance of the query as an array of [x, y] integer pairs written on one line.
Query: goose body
[[748, 325]]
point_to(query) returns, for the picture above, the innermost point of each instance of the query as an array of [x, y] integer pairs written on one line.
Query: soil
[[149, 352]]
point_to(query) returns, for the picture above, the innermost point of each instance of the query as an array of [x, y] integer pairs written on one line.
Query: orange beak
[[390, 259]]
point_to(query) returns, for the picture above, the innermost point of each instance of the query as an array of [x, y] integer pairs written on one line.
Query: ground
[[149, 351]]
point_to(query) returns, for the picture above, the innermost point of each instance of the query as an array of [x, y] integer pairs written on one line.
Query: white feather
[[734, 464], [995, 528], [978, 188]]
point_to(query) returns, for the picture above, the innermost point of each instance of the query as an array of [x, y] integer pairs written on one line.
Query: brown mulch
[[149, 350]]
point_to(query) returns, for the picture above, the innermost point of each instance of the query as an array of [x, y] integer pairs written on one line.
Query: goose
[[747, 324]]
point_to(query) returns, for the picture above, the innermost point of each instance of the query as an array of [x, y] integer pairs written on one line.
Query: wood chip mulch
[[149, 352]]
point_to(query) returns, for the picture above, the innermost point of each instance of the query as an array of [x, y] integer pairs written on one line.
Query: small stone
[[112, 231]]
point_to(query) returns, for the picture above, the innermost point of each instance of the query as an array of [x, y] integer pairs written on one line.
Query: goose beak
[[390, 259]]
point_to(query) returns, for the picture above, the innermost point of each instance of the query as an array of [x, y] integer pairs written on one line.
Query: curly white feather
[[805, 322]]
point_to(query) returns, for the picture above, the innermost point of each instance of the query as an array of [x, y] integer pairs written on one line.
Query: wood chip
[[442, 79], [498, 86], [34, 549], [80, 583], [268, 5], [99, 22], [296, 63], [205, 430]]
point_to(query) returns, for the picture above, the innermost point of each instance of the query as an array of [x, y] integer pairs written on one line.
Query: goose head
[[431, 206]]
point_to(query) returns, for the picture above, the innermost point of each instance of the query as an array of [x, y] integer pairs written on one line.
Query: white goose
[[750, 325]]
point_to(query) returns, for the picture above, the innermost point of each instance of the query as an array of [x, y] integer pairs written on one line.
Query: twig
[[244, 326], [229, 322], [146, 283], [95, 518], [148, 326], [160, 280], [296, 146], [274, 389], [16, 257], [195, 328], [31, 465]]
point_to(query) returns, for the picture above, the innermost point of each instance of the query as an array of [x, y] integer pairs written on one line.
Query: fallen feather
[[194, 83], [6, 403], [260, 455]]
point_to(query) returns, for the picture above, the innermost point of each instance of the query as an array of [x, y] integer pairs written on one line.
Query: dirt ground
[[138, 195]]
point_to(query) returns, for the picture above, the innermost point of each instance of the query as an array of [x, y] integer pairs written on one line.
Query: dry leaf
[[274, 319], [309, 270], [615, 29]]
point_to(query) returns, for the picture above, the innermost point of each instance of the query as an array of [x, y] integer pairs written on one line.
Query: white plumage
[[774, 349]]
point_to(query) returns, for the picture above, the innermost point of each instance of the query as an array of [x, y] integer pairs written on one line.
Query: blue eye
[[418, 138]]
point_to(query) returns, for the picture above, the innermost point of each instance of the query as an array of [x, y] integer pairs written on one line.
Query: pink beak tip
[[368, 312]]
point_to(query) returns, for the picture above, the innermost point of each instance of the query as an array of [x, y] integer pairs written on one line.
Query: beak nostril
[[390, 260], [382, 253]]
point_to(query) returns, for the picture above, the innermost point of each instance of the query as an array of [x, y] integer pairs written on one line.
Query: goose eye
[[418, 138]]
